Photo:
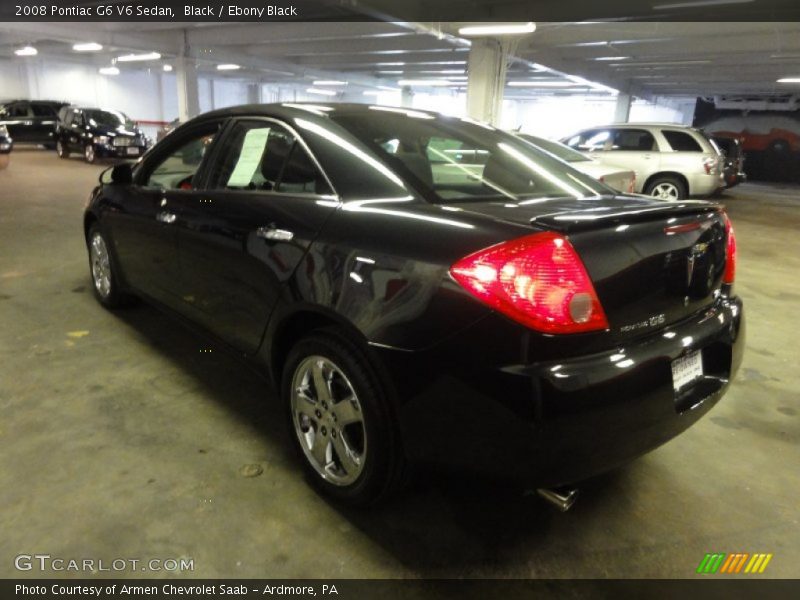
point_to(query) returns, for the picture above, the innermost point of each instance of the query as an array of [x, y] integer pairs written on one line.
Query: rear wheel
[[61, 150], [104, 271], [89, 153], [340, 420], [666, 188]]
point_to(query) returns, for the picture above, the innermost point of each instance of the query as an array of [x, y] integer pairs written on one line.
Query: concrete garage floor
[[121, 436]]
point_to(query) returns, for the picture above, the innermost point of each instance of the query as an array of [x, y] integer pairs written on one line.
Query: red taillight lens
[[730, 251], [538, 280], [632, 184]]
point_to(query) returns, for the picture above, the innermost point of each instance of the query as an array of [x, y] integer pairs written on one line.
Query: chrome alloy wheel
[[328, 420], [101, 265], [89, 153], [666, 191]]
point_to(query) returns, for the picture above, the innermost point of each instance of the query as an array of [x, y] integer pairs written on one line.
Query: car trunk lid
[[652, 262]]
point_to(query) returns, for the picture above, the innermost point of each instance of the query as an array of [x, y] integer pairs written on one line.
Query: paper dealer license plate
[[686, 370], [133, 150]]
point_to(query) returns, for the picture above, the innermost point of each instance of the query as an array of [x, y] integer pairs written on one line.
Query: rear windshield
[[457, 160]]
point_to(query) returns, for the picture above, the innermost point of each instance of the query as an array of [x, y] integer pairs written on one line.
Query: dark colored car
[[426, 289], [6, 143], [731, 147], [98, 133], [30, 121]]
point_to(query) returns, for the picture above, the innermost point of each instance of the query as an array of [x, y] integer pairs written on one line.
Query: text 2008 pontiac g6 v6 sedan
[[427, 289]]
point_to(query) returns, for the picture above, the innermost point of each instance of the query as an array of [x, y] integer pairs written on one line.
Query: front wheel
[[666, 188], [89, 153], [341, 421]]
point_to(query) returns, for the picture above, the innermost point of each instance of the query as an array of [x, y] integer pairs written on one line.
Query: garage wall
[[556, 116]]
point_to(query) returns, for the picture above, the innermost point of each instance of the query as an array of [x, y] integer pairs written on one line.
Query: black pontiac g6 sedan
[[423, 288]]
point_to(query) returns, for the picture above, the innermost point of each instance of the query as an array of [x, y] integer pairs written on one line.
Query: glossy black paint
[[472, 388], [30, 121], [6, 143]]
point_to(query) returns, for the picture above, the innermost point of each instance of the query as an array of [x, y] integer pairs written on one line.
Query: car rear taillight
[[710, 165], [730, 251], [632, 184], [537, 280]]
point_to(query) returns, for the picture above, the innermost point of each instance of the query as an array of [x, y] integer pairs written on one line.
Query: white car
[[618, 178], [671, 162]]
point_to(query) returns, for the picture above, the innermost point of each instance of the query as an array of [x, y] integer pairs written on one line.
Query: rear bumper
[[701, 184], [561, 421]]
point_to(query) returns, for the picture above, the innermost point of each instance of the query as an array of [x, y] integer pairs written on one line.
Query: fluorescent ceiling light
[[789, 80], [26, 51], [108, 71], [167, 68], [425, 82], [87, 47], [612, 58], [372, 92], [138, 57], [321, 92], [699, 4], [498, 29], [541, 84], [329, 82], [389, 72], [228, 67]]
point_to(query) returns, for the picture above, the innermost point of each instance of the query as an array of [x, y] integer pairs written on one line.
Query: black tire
[[89, 153], [61, 150], [111, 296], [383, 467], [664, 181]]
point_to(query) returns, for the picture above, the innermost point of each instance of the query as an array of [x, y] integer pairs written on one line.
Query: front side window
[[178, 169], [19, 110], [265, 156], [455, 160], [593, 140]]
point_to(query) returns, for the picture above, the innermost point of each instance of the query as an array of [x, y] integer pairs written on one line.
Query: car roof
[[299, 109]]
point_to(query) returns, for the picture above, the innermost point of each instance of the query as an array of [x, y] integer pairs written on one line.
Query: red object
[[730, 251], [537, 280]]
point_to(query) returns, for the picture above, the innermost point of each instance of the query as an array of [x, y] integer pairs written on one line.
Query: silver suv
[[670, 161]]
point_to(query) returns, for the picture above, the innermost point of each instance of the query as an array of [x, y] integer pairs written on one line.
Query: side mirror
[[121, 174]]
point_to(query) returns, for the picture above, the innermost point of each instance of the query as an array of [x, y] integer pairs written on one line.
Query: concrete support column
[[254, 93], [406, 97], [188, 92], [622, 111], [486, 71]]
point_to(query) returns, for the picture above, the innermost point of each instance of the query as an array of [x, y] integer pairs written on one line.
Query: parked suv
[[98, 133], [670, 161], [30, 121]]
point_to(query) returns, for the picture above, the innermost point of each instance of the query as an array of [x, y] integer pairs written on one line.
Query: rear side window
[[263, 155], [636, 140], [681, 141]]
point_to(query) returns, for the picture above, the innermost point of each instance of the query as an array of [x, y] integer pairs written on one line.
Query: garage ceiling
[[645, 58]]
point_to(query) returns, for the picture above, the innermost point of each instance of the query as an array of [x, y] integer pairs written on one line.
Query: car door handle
[[166, 217], [647, 156], [270, 232]]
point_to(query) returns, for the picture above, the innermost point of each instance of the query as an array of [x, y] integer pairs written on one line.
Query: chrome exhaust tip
[[562, 498]]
